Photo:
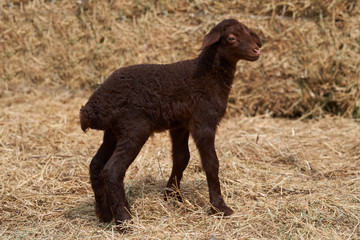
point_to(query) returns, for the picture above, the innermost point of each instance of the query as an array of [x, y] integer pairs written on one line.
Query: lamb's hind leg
[[102, 207], [181, 155], [130, 142]]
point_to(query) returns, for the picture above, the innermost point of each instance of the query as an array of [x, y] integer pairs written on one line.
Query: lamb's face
[[239, 42], [235, 41]]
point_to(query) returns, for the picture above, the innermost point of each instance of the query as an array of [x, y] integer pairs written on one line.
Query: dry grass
[[285, 179], [309, 66]]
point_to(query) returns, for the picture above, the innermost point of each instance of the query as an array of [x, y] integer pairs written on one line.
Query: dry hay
[[284, 178], [310, 62]]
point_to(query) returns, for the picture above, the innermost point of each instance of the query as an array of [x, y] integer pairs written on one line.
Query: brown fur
[[187, 97]]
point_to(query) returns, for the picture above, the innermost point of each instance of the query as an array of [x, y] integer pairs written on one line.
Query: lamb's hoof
[[170, 194], [103, 213], [122, 227], [223, 211], [122, 221]]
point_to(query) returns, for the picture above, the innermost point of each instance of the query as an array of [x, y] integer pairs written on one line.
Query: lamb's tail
[[85, 116], [89, 119]]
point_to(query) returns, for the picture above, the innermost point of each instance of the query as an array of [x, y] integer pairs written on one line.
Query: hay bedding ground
[[285, 179]]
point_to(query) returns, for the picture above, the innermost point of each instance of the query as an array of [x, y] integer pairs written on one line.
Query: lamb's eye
[[231, 39]]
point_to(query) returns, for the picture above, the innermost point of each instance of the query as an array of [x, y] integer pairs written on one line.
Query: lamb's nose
[[257, 51]]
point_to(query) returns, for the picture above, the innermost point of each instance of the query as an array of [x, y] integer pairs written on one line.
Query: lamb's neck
[[225, 68], [210, 62]]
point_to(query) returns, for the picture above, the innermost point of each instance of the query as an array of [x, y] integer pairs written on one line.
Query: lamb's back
[[160, 93]]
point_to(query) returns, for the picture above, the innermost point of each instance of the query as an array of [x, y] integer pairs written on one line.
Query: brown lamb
[[186, 97]]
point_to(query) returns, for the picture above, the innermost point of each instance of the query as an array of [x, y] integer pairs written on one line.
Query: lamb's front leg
[[181, 155], [204, 138]]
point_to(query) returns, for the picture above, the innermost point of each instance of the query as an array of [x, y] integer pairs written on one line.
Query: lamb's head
[[234, 41]]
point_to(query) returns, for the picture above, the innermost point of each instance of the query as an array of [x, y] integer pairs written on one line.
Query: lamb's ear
[[256, 38], [212, 37]]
